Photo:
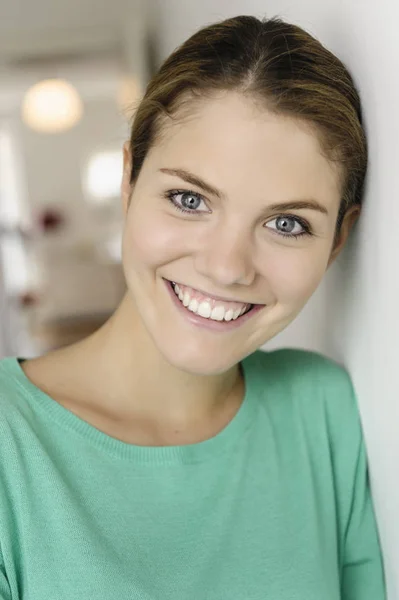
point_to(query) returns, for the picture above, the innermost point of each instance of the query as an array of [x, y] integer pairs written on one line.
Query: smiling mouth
[[209, 307]]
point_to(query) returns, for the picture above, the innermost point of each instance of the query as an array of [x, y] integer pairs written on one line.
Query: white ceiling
[[47, 14], [82, 40]]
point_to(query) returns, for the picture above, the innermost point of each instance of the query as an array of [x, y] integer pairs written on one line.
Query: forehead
[[233, 143]]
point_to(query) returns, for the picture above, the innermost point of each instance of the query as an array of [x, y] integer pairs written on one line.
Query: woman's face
[[238, 207]]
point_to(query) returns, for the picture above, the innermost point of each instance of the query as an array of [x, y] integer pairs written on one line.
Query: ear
[[126, 187], [349, 220]]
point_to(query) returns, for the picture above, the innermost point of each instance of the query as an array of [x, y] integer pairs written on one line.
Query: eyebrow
[[210, 189], [194, 180]]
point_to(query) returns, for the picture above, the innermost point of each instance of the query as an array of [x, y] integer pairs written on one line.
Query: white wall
[[353, 315]]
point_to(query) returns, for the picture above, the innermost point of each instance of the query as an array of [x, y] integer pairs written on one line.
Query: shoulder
[[11, 378], [14, 391], [303, 382], [311, 402], [304, 369]]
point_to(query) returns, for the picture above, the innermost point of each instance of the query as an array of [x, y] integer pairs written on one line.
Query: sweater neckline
[[230, 435]]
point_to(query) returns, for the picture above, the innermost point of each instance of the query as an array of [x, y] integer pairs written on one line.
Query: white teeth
[[236, 313], [193, 306], [204, 310], [218, 313]]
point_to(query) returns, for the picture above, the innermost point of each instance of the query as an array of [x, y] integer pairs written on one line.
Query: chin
[[199, 361]]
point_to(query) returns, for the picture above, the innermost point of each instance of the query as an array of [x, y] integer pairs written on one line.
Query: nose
[[225, 257]]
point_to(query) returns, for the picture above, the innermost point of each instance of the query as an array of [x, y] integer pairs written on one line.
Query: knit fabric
[[276, 506]]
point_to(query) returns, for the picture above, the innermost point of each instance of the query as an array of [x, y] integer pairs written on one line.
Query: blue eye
[[189, 202], [287, 226]]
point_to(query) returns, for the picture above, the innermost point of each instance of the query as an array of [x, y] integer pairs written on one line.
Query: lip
[[197, 320]]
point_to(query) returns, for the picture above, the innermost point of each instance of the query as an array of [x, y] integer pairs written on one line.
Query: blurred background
[[70, 76]]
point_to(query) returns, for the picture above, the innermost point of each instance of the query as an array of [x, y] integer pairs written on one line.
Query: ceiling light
[[52, 106]]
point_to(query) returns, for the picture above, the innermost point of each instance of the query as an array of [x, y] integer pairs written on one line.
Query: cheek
[[152, 238], [295, 275]]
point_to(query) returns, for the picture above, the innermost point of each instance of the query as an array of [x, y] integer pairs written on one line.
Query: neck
[[129, 372]]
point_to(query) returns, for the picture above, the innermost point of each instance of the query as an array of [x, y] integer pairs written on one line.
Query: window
[[13, 215], [103, 176]]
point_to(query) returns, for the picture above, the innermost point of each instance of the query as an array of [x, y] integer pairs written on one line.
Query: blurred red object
[[28, 299], [51, 220]]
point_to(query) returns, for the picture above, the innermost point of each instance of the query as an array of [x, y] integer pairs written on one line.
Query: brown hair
[[282, 65]]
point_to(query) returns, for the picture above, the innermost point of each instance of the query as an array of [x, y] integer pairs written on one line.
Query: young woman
[[166, 456]]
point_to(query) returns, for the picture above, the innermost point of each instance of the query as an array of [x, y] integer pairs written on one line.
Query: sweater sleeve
[[363, 572]]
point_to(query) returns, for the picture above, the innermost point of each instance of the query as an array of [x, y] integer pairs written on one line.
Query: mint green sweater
[[274, 507]]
